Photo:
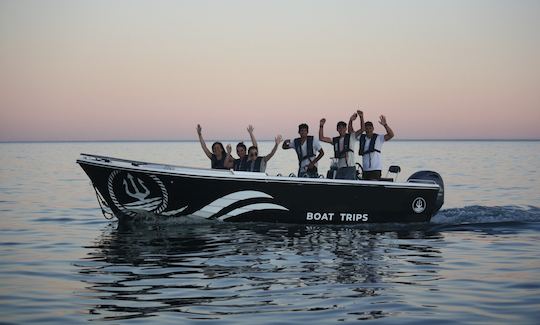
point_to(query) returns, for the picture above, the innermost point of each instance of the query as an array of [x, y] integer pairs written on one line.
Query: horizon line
[[238, 140]]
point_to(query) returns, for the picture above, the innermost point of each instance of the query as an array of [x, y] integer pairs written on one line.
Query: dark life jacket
[[346, 146], [254, 165], [218, 164], [240, 164], [298, 148], [371, 148]]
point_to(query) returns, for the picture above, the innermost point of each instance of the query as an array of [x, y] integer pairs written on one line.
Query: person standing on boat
[[241, 150], [256, 163], [370, 146], [343, 149], [219, 158], [308, 150]]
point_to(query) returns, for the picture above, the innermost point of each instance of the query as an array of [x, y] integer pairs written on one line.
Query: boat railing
[[137, 163], [109, 159]]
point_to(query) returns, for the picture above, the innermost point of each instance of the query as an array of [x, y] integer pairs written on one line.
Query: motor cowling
[[428, 176]]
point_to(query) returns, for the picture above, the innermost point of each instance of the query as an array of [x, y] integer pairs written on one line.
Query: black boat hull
[[132, 189]]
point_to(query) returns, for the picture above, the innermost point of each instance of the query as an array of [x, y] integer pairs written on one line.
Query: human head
[[253, 153], [341, 127], [217, 147], [241, 149], [303, 130], [369, 128]]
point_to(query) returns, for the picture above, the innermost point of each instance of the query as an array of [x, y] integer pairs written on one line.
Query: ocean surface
[[477, 261]]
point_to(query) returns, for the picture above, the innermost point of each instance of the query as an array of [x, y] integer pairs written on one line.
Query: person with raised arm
[[343, 146], [218, 157], [255, 163], [370, 147], [241, 150], [308, 151]]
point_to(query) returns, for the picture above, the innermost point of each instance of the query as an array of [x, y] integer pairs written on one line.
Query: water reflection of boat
[[130, 188], [229, 271]]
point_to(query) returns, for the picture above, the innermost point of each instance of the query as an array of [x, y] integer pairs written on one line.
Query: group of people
[[248, 159], [309, 151]]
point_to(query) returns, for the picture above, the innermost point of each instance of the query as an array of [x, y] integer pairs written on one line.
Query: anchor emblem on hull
[[135, 194], [419, 205]]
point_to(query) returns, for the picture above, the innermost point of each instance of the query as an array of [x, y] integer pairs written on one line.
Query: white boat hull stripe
[[252, 207]]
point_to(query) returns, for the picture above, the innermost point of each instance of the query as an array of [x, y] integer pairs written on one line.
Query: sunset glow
[[150, 70]]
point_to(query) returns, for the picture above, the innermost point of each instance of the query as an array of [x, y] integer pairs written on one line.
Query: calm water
[[478, 261]]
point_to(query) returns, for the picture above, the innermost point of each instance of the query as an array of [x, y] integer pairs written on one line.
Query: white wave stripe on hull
[[211, 209], [142, 204], [148, 207], [173, 212], [252, 207]]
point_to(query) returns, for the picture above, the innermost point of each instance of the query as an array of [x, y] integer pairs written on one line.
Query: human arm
[[229, 160], [360, 114], [250, 131], [321, 132], [362, 126], [389, 133], [314, 161], [271, 154], [350, 128], [203, 144]]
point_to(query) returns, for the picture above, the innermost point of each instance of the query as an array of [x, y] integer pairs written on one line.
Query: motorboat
[[128, 190]]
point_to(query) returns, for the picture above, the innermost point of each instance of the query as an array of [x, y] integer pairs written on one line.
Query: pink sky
[[100, 70]]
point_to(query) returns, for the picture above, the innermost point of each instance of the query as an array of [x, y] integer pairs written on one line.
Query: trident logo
[[136, 194], [419, 205]]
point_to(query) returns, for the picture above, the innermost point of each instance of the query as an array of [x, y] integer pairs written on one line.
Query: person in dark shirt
[[255, 163], [218, 157], [241, 150]]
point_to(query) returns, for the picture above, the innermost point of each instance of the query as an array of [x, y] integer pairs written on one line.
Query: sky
[[153, 70]]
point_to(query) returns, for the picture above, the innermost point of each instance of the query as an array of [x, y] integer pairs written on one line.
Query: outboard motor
[[428, 176]]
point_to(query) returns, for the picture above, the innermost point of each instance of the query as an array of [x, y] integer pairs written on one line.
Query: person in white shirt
[[343, 149], [370, 146], [308, 150]]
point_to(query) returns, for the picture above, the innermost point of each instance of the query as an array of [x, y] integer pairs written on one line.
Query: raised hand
[[360, 113], [229, 149], [199, 129], [279, 139], [323, 120], [250, 129], [354, 116], [382, 120]]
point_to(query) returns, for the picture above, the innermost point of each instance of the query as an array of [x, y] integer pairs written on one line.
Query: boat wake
[[477, 214]]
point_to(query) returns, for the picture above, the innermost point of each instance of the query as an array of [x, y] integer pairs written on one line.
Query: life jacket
[[309, 147], [371, 148], [346, 147], [254, 165], [218, 164], [240, 164]]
